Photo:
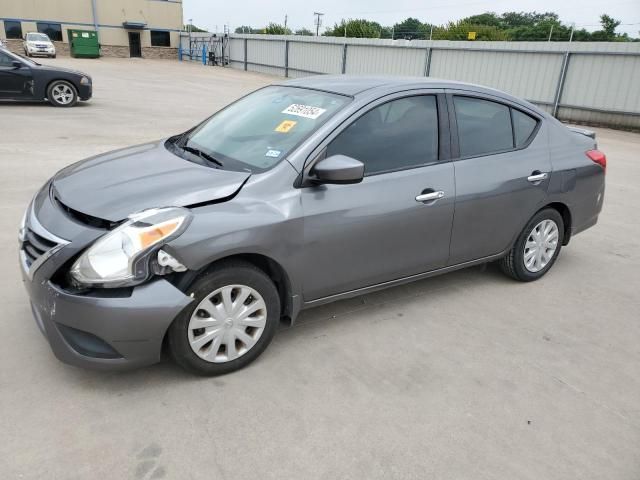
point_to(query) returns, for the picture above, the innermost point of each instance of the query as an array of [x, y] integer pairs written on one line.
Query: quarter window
[[13, 29], [160, 39], [523, 126], [484, 126], [397, 135], [52, 30]]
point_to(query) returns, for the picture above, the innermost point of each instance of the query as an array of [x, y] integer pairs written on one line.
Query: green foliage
[[489, 26], [411, 28], [247, 29], [356, 28], [276, 29], [304, 31], [460, 31]]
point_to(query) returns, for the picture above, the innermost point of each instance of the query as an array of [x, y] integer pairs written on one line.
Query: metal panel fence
[[596, 83]]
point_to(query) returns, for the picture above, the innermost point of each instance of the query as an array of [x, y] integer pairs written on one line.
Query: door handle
[[536, 177], [429, 197]]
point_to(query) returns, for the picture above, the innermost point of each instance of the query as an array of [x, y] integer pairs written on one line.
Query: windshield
[[37, 37], [260, 129]]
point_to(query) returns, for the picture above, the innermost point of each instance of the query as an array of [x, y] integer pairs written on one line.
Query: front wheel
[[62, 94], [536, 248], [234, 316]]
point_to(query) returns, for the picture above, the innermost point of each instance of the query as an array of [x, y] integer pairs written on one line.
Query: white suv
[[36, 43]]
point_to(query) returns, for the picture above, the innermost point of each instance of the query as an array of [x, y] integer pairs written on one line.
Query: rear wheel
[[536, 248], [62, 94], [232, 320]]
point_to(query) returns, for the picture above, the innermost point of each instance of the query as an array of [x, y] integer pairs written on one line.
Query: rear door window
[[484, 127]]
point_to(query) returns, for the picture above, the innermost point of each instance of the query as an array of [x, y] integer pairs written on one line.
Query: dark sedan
[[23, 79]]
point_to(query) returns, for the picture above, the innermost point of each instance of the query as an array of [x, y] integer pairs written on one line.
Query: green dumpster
[[83, 43]]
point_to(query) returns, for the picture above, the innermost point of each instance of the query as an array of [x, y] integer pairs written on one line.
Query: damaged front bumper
[[101, 329]]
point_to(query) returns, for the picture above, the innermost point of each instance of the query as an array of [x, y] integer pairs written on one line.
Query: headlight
[[85, 81], [23, 224], [121, 257]]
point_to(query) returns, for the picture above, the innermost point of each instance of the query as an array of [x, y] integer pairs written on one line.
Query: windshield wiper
[[201, 154]]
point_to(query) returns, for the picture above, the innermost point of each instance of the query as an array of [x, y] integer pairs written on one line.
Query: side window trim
[[444, 131], [455, 141]]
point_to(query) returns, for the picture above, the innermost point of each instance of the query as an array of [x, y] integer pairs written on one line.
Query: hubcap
[[541, 245], [227, 323], [62, 94]]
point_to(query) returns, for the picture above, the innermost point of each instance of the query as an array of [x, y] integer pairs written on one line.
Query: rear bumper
[[114, 333]]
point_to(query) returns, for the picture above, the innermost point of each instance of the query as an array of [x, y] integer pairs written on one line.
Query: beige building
[[126, 28]]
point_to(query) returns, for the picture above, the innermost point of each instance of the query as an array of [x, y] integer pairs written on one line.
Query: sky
[[212, 14]]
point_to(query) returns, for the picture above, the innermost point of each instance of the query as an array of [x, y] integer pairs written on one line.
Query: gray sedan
[[296, 195]]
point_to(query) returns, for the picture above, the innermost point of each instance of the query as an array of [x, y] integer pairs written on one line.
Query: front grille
[[35, 246]]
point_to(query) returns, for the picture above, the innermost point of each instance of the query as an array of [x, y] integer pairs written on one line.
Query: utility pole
[[190, 49], [573, 25], [318, 22], [286, 17], [431, 33], [550, 32], [393, 32]]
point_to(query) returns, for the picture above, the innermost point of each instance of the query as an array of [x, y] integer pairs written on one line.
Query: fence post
[[427, 62], [286, 58], [245, 54], [560, 86], [344, 58]]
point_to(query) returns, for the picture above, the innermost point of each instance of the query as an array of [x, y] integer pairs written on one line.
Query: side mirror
[[338, 169], [16, 64]]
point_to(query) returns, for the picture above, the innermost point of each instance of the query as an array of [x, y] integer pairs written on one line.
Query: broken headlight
[[121, 257]]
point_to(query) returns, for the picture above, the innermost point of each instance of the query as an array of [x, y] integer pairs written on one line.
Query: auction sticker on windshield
[[305, 111]]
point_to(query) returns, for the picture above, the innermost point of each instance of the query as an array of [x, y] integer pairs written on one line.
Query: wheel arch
[[567, 219], [58, 79], [268, 265]]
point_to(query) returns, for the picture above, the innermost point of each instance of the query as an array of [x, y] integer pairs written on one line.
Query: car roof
[[354, 85]]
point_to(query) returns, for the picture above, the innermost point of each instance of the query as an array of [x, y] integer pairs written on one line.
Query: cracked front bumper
[[104, 329]]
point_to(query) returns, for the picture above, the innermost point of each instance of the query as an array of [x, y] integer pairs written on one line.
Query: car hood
[[114, 185], [60, 69]]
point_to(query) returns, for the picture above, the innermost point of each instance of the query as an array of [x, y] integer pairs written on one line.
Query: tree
[[276, 29], [460, 31], [304, 31], [357, 28], [245, 29], [410, 28]]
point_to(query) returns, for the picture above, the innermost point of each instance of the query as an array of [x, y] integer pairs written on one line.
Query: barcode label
[[305, 111]]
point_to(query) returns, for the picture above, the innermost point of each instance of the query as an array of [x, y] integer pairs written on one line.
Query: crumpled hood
[[114, 185]]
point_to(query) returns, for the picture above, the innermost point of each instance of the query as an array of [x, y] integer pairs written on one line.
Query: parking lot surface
[[464, 376]]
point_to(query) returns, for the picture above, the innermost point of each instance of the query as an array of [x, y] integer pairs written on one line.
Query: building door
[[135, 48]]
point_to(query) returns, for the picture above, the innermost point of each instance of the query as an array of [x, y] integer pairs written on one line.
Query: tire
[[57, 98], [222, 356], [514, 264]]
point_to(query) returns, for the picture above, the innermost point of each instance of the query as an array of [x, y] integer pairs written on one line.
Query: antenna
[[318, 22]]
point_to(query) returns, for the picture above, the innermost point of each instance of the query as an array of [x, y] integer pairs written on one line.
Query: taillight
[[598, 157]]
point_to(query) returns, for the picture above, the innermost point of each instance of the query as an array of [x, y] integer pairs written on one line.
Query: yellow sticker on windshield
[[285, 126]]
